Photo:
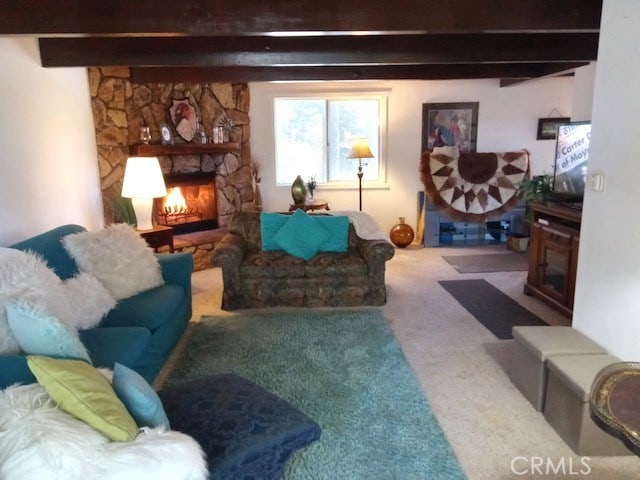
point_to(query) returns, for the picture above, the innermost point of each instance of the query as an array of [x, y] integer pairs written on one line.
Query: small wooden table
[[310, 205], [158, 236]]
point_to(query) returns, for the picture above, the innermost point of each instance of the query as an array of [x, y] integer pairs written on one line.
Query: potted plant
[[121, 207], [535, 189]]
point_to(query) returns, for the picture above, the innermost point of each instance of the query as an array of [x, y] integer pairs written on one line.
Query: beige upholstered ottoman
[[567, 404], [533, 346]]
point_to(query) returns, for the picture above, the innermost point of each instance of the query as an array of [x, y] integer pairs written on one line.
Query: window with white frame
[[313, 137]]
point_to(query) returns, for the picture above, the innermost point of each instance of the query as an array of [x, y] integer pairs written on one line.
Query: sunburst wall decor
[[473, 187]]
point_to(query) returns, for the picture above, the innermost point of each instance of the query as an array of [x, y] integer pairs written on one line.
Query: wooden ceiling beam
[[567, 71], [323, 50], [213, 17], [521, 71]]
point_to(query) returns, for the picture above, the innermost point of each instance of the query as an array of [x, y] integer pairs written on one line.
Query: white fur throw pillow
[[39, 442], [118, 257], [90, 301], [25, 277]]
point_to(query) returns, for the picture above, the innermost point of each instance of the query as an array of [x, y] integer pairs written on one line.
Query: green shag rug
[[345, 370]]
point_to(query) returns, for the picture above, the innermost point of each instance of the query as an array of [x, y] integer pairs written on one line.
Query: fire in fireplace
[[190, 204]]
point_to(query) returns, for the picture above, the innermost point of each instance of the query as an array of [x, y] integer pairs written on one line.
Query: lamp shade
[[360, 148], [143, 178]]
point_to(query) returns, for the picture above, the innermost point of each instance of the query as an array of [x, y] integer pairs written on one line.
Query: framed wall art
[[184, 118], [450, 124], [548, 127]]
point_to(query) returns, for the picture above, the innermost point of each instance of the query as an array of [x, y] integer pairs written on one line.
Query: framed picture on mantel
[[450, 124]]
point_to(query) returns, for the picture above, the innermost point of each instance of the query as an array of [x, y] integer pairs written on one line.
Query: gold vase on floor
[[401, 234], [298, 191]]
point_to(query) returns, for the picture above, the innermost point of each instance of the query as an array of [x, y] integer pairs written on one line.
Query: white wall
[[48, 167], [584, 82], [508, 120], [607, 300]]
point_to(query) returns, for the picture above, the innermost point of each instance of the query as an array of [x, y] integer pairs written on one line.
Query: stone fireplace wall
[[121, 107]]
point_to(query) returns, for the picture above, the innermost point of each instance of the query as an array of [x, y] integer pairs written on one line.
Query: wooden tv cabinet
[[553, 254]]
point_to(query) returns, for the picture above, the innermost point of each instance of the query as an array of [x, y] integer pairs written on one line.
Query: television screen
[[572, 153]]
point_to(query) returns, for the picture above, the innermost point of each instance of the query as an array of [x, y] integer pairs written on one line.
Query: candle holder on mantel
[[145, 134]]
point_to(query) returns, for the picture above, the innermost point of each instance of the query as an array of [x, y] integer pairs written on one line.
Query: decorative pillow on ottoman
[[118, 257]]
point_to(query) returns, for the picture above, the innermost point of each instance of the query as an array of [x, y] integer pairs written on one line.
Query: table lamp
[[142, 183], [360, 149]]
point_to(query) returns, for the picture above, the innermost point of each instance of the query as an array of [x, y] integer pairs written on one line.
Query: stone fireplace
[[224, 180], [121, 107]]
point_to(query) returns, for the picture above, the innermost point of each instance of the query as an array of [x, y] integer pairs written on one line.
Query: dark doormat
[[492, 262], [495, 310]]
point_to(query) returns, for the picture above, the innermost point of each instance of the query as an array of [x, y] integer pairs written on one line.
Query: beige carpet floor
[[463, 370]]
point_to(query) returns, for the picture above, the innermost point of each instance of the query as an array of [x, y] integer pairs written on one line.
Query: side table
[[158, 236], [310, 205]]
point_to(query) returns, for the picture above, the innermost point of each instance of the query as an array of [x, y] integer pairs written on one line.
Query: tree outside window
[[313, 137]]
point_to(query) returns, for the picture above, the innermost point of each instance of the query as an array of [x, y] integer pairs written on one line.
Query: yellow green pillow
[[82, 391]]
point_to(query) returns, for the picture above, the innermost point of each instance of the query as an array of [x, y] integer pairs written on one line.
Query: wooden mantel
[[149, 150]]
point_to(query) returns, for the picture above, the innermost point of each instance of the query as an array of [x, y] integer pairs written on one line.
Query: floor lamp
[[360, 149]]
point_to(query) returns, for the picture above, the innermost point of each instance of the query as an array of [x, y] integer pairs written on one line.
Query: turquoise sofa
[[140, 332]]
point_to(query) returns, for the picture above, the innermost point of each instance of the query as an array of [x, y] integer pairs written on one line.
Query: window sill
[[366, 185]]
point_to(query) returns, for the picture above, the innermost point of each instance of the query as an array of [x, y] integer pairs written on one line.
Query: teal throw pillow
[[338, 228], [301, 235], [38, 333], [142, 402], [270, 223]]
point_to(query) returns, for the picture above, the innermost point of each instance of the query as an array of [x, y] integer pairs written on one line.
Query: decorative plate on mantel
[[473, 187], [184, 118], [166, 137]]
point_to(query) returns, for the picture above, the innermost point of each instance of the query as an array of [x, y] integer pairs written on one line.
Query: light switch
[[596, 181]]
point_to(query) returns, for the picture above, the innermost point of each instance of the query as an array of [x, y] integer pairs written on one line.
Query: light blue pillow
[[301, 236], [142, 403], [338, 228], [270, 223], [38, 333]]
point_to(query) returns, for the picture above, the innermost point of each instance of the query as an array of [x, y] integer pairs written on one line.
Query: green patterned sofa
[[254, 278]]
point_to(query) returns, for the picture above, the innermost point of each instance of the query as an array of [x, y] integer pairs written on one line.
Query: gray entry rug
[[497, 311], [344, 369], [491, 262]]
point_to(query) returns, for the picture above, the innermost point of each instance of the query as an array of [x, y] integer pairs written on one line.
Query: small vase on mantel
[[299, 191], [401, 234]]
